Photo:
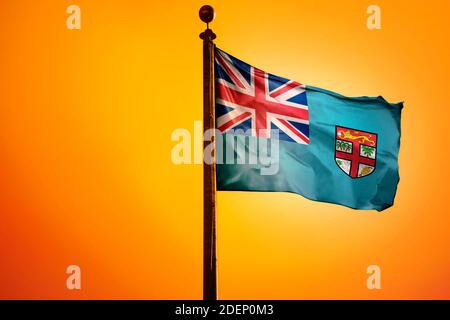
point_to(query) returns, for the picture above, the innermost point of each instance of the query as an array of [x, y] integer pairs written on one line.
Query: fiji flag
[[323, 146]]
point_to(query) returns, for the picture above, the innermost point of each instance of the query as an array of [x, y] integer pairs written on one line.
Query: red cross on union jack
[[266, 100]]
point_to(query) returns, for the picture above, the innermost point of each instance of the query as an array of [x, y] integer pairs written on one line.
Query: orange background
[[86, 176]]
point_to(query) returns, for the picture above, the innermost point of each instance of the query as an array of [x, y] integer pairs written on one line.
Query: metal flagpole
[[207, 14]]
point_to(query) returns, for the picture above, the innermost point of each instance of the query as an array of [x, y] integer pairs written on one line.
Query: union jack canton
[[252, 100]]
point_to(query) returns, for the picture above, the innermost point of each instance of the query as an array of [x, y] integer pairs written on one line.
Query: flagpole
[[207, 14]]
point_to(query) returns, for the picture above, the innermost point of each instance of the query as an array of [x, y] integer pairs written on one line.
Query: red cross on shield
[[355, 151]]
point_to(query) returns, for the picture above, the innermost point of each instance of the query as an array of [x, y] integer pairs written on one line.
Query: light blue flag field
[[275, 134]]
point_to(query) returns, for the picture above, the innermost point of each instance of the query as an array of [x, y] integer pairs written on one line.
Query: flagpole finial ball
[[207, 14]]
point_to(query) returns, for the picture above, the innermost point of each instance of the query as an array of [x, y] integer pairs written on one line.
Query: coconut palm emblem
[[355, 151]]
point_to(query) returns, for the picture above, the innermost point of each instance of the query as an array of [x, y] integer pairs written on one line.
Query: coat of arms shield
[[355, 151]]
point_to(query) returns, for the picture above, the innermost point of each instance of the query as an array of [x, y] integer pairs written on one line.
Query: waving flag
[[331, 148]]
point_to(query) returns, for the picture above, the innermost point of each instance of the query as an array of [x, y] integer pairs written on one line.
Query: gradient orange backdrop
[[86, 176]]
